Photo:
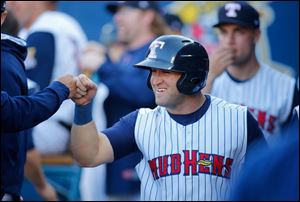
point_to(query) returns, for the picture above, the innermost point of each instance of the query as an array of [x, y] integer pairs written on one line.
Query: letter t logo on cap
[[231, 9]]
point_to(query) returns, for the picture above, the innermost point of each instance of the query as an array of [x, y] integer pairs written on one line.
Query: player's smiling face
[[164, 87]]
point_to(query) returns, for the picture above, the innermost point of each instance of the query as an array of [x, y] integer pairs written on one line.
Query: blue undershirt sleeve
[[121, 135]]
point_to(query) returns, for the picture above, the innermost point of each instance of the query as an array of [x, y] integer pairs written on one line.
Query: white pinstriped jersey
[[193, 162], [268, 95]]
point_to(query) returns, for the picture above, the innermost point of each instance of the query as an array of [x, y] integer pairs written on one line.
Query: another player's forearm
[[33, 170]]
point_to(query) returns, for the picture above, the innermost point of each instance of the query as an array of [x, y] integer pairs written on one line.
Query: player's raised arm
[[88, 147]]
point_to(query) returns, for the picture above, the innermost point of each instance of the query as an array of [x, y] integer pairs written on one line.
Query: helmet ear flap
[[203, 76], [190, 84], [185, 86]]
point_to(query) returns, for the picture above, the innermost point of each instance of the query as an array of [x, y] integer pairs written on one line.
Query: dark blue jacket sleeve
[[30, 143], [22, 112]]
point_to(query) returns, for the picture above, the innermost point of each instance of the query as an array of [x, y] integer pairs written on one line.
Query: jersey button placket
[[188, 134]]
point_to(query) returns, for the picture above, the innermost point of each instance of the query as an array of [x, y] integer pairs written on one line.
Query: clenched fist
[[86, 90]]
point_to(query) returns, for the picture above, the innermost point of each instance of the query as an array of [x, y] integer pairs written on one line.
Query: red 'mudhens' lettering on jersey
[[193, 162]]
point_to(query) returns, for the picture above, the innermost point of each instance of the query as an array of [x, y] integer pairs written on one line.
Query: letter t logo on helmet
[[177, 53], [153, 47]]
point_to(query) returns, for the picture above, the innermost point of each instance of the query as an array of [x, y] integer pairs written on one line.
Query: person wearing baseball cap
[[247, 80], [238, 13]]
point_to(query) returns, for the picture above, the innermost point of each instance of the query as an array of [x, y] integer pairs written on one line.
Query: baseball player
[[238, 77], [138, 23], [192, 144]]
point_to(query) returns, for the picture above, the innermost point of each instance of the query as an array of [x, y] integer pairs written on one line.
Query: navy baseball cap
[[113, 7], [3, 6], [240, 13]]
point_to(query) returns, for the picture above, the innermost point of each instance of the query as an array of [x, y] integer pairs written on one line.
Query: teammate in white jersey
[[238, 77], [193, 145]]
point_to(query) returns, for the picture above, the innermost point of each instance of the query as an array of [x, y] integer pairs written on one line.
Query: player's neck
[[244, 71], [190, 105]]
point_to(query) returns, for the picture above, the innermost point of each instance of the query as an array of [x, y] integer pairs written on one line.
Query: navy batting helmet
[[179, 54]]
